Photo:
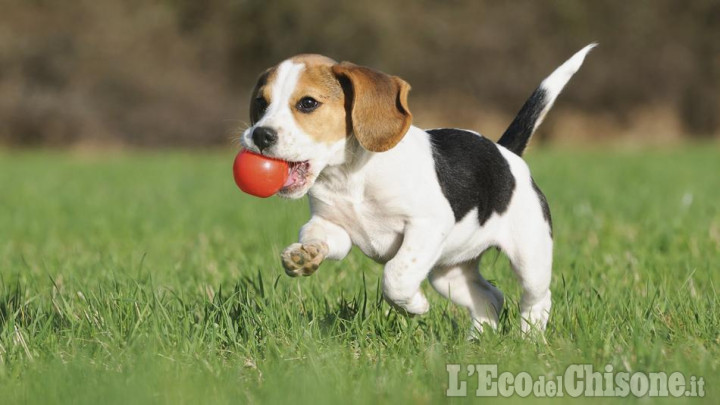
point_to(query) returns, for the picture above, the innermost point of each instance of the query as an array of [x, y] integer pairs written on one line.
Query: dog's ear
[[257, 102], [376, 106]]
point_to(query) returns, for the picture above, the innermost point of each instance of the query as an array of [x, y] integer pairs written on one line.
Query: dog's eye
[[307, 104]]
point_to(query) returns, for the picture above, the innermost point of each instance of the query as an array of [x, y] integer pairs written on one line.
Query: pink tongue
[[292, 178]]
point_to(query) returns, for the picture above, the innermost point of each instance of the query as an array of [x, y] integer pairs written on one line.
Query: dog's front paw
[[302, 259]]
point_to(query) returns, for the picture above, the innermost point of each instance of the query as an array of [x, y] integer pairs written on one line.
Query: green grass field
[[147, 277]]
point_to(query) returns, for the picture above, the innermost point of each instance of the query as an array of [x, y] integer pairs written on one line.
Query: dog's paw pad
[[303, 259]]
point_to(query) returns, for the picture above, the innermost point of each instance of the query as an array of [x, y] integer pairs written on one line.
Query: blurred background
[[177, 73]]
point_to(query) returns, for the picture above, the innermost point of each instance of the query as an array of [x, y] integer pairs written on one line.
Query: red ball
[[259, 175]]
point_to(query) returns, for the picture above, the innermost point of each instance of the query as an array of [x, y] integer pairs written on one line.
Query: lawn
[[147, 277]]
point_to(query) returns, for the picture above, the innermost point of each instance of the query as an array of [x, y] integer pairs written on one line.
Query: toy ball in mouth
[[259, 175]]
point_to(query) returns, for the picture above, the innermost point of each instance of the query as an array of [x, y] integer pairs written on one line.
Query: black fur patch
[[518, 134], [472, 173], [544, 205]]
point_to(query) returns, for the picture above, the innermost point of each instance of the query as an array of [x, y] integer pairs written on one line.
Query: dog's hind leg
[[463, 285], [532, 262]]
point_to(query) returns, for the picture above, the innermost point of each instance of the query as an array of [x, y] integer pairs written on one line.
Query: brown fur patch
[[310, 59], [380, 115], [327, 123]]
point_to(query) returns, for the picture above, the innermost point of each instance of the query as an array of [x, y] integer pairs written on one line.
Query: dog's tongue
[[292, 176]]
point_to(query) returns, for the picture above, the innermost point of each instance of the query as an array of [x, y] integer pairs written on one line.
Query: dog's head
[[305, 109]]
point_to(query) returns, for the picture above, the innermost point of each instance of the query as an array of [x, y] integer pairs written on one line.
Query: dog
[[424, 203]]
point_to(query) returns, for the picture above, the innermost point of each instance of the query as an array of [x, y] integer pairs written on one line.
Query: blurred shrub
[[178, 72]]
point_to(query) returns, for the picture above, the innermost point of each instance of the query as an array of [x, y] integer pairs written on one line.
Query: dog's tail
[[533, 112]]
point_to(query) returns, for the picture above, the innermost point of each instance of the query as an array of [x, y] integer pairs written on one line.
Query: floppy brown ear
[[378, 109]]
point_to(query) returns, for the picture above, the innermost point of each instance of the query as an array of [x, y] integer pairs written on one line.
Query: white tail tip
[[554, 83]]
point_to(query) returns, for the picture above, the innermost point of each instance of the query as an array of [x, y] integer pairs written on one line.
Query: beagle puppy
[[424, 203]]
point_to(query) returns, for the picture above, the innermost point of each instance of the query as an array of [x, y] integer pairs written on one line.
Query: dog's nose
[[264, 137]]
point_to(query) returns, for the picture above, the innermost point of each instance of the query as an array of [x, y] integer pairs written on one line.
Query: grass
[[147, 277]]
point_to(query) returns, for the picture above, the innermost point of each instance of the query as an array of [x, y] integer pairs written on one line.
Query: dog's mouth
[[298, 174]]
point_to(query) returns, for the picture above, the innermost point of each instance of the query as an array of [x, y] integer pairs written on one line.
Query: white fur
[[391, 206], [557, 80]]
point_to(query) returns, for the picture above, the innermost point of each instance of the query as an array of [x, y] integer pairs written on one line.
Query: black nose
[[264, 137]]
